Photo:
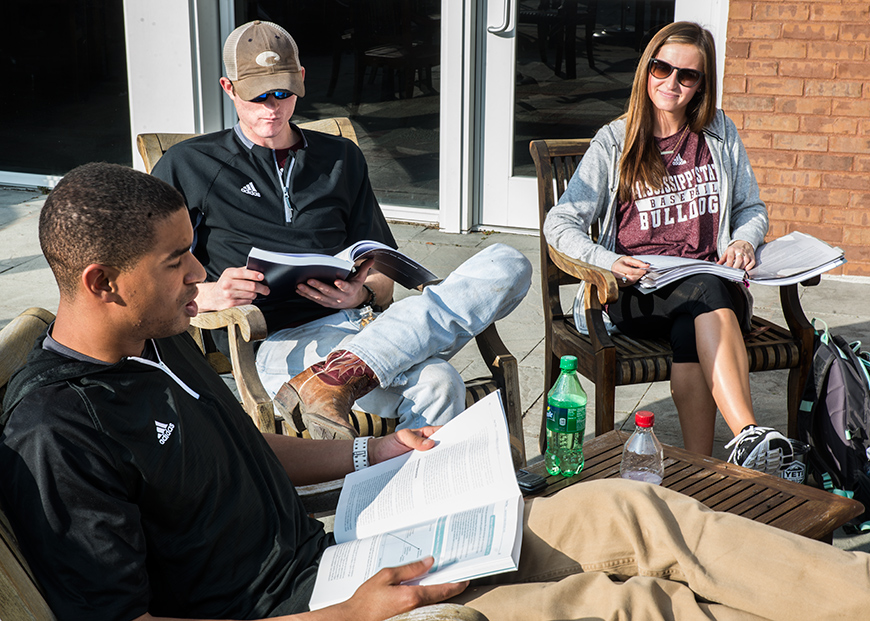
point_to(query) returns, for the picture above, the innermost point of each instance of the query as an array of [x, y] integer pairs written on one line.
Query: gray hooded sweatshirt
[[591, 196]]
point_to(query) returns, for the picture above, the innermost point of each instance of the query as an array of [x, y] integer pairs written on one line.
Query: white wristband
[[361, 453]]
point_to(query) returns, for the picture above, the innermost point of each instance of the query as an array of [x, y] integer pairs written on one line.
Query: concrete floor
[[842, 302]]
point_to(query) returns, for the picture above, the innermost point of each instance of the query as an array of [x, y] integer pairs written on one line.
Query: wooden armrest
[[248, 320], [441, 612], [244, 324], [149, 149], [493, 350], [602, 280], [320, 499]]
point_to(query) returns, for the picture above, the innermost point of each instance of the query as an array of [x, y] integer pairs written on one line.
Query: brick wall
[[797, 84]]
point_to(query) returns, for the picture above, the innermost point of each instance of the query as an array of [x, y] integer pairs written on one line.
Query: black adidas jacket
[[234, 194], [131, 492]]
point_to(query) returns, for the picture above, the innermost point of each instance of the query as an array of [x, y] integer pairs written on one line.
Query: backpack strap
[[828, 484], [863, 358]]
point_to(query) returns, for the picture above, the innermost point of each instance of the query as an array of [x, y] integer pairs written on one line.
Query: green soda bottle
[[566, 421]]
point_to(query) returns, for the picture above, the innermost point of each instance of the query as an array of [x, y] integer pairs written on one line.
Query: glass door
[[65, 76], [551, 69], [377, 62]]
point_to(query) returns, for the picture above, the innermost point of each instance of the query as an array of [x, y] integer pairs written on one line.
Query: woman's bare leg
[[695, 406], [725, 366]]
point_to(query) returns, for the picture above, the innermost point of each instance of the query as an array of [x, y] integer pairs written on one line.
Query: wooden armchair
[[20, 595], [246, 325], [618, 360]]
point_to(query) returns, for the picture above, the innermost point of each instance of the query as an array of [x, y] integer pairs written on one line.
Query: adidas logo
[[164, 430], [678, 161], [250, 189]]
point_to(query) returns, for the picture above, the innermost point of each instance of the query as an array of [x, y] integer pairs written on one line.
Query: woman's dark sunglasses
[[277, 95], [660, 70]]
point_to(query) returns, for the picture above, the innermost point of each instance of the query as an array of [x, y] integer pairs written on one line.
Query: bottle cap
[[644, 419], [568, 363]]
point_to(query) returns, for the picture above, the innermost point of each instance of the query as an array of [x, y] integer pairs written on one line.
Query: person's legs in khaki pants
[[601, 548]]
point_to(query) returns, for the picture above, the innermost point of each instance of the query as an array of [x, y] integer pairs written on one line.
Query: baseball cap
[[260, 57]]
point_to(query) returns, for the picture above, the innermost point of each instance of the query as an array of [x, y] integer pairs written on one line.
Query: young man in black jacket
[[133, 480], [269, 184]]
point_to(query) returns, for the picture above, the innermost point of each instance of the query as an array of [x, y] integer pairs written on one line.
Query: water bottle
[[566, 421], [642, 457]]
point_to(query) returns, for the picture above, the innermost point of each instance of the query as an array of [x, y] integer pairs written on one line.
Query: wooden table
[[722, 486]]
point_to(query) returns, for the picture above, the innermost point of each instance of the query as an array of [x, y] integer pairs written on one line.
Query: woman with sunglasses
[[671, 177]]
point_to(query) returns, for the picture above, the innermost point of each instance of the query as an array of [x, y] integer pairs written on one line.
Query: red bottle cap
[[644, 418]]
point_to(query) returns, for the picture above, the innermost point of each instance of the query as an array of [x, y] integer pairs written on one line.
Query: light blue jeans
[[408, 345]]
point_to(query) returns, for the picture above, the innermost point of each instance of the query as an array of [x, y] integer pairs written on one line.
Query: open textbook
[[786, 260], [458, 502], [283, 271]]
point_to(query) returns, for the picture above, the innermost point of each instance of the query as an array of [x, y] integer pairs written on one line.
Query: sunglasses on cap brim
[[275, 94], [660, 70]]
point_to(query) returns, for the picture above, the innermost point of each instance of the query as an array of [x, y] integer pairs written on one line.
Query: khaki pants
[[616, 549]]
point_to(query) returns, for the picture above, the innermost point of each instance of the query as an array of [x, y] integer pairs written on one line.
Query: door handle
[[497, 30]]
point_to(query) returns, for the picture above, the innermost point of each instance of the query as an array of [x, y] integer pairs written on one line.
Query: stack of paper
[[664, 270], [789, 259], [794, 258]]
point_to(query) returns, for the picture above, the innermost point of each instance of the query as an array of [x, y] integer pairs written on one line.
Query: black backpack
[[834, 419]]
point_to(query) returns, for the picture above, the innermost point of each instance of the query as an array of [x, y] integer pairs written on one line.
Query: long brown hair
[[641, 160]]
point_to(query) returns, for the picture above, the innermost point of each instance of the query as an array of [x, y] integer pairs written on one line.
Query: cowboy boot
[[320, 398]]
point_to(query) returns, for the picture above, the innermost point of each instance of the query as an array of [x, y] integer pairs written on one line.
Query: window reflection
[[575, 66], [65, 71], [378, 62]]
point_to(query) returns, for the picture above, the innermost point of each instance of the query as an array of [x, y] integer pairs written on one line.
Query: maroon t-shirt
[[682, 218]]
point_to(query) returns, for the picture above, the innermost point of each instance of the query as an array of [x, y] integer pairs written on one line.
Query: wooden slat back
[[152, 146], [555, 162]]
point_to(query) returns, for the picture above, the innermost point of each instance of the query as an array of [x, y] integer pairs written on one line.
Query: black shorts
[[673, 308]]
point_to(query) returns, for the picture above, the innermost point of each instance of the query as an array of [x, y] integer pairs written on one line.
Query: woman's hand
[[739, 254], [628, 270]]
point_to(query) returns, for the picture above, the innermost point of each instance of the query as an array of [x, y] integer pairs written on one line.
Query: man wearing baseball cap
[[269, 184]]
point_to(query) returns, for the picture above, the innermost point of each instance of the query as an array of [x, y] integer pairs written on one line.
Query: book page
[[470, 466], [795, 254], [466, 545], [391, 262], [354, 250]]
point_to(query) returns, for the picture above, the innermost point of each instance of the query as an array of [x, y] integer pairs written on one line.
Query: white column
[[712, 15], [456, 165], [173, 67]]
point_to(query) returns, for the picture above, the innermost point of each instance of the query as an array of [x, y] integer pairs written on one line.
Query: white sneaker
[[761, 448]]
